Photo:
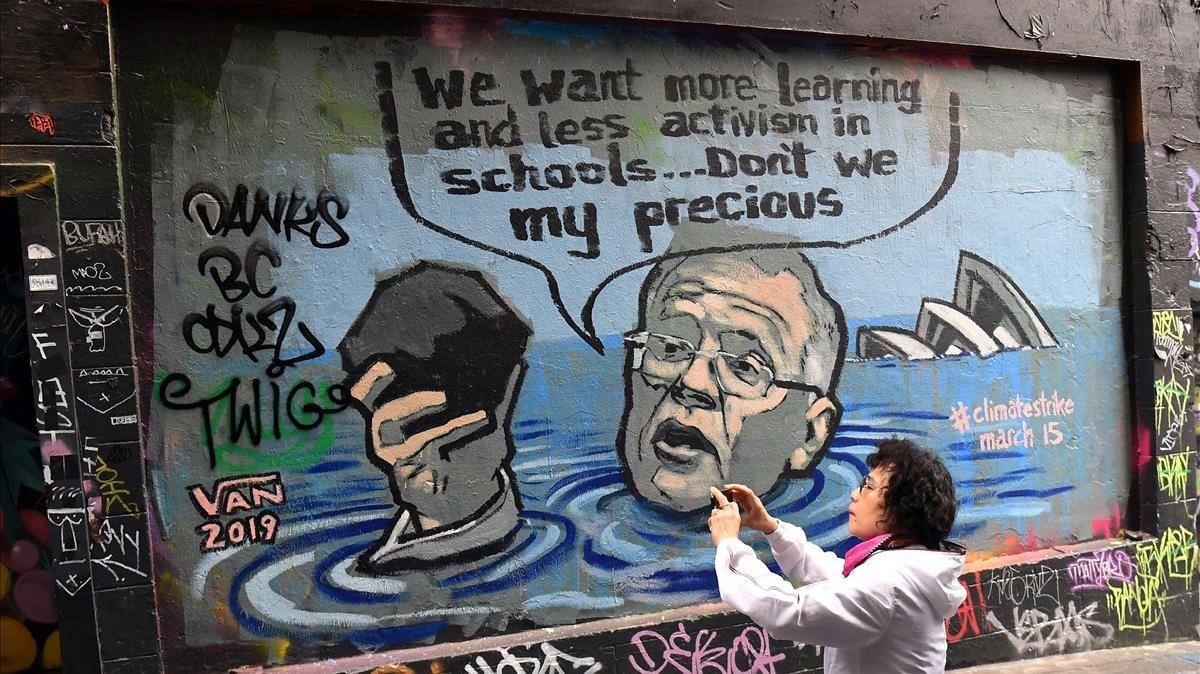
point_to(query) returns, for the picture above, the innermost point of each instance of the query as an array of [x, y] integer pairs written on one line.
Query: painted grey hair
[[820, 356]]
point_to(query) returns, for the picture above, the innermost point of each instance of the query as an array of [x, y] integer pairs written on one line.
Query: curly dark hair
[[919, 498]]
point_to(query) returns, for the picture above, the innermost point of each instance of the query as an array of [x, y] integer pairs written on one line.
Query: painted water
[[587, 548]]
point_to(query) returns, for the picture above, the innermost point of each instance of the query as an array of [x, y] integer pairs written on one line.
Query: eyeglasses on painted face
[[744, 376]]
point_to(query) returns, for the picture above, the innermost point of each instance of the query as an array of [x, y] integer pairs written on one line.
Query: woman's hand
[[756, 516], [726, 519]]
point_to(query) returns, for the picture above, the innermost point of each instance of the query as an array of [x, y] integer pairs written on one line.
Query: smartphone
[[728, 494]]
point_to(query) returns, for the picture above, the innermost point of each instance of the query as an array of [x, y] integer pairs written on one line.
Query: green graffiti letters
[[1173, 471], [1170, 396], [1171, 557]]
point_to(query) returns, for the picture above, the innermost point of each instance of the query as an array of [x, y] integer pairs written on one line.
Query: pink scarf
[[859, 553]]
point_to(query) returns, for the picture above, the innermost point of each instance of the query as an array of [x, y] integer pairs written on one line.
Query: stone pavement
[[1183, 656]]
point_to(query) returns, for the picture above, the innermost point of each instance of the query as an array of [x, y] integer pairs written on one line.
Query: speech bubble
[[581, 322]]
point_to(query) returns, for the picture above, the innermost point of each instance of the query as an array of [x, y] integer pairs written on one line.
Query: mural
[[556, 281]]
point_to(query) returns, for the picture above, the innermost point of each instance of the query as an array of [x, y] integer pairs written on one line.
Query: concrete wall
[[405, 294]]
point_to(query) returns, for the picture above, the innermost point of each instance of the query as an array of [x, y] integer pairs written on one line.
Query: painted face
[[716, 391], [868, 518], [441, 462]]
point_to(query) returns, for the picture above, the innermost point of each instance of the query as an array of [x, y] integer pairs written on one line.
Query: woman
[[883, 608]]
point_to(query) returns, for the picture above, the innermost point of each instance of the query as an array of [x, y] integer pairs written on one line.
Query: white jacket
[[887, 616]]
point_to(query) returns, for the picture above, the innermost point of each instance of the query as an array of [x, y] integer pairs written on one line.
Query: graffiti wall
[[455, 320]]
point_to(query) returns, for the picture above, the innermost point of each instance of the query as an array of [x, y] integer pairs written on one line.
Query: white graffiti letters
[[1011, 587], [1036, 633], [121, 548], [552, 661]]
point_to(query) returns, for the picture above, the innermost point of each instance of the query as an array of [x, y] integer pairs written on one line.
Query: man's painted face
[[709, 378]]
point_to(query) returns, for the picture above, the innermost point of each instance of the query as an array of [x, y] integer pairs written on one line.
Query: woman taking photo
[[882, 608]]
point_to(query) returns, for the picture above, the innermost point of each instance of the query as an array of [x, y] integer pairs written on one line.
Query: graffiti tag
[[965, 622], [1100, 569], [1037, 633], [551, 661], [43, 124], [1170, 557], [684, 653], [288, 214], [1173, 472], [1012, 587], [234, 495]]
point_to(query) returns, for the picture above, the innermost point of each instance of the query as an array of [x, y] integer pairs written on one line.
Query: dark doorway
[[28, 611]]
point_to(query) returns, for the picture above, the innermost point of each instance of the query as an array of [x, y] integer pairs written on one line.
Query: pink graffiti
[[54, 448], [681, 653], [227, 497], [1193, 204], [1099, 570], [95, 501], [1107, 526]]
